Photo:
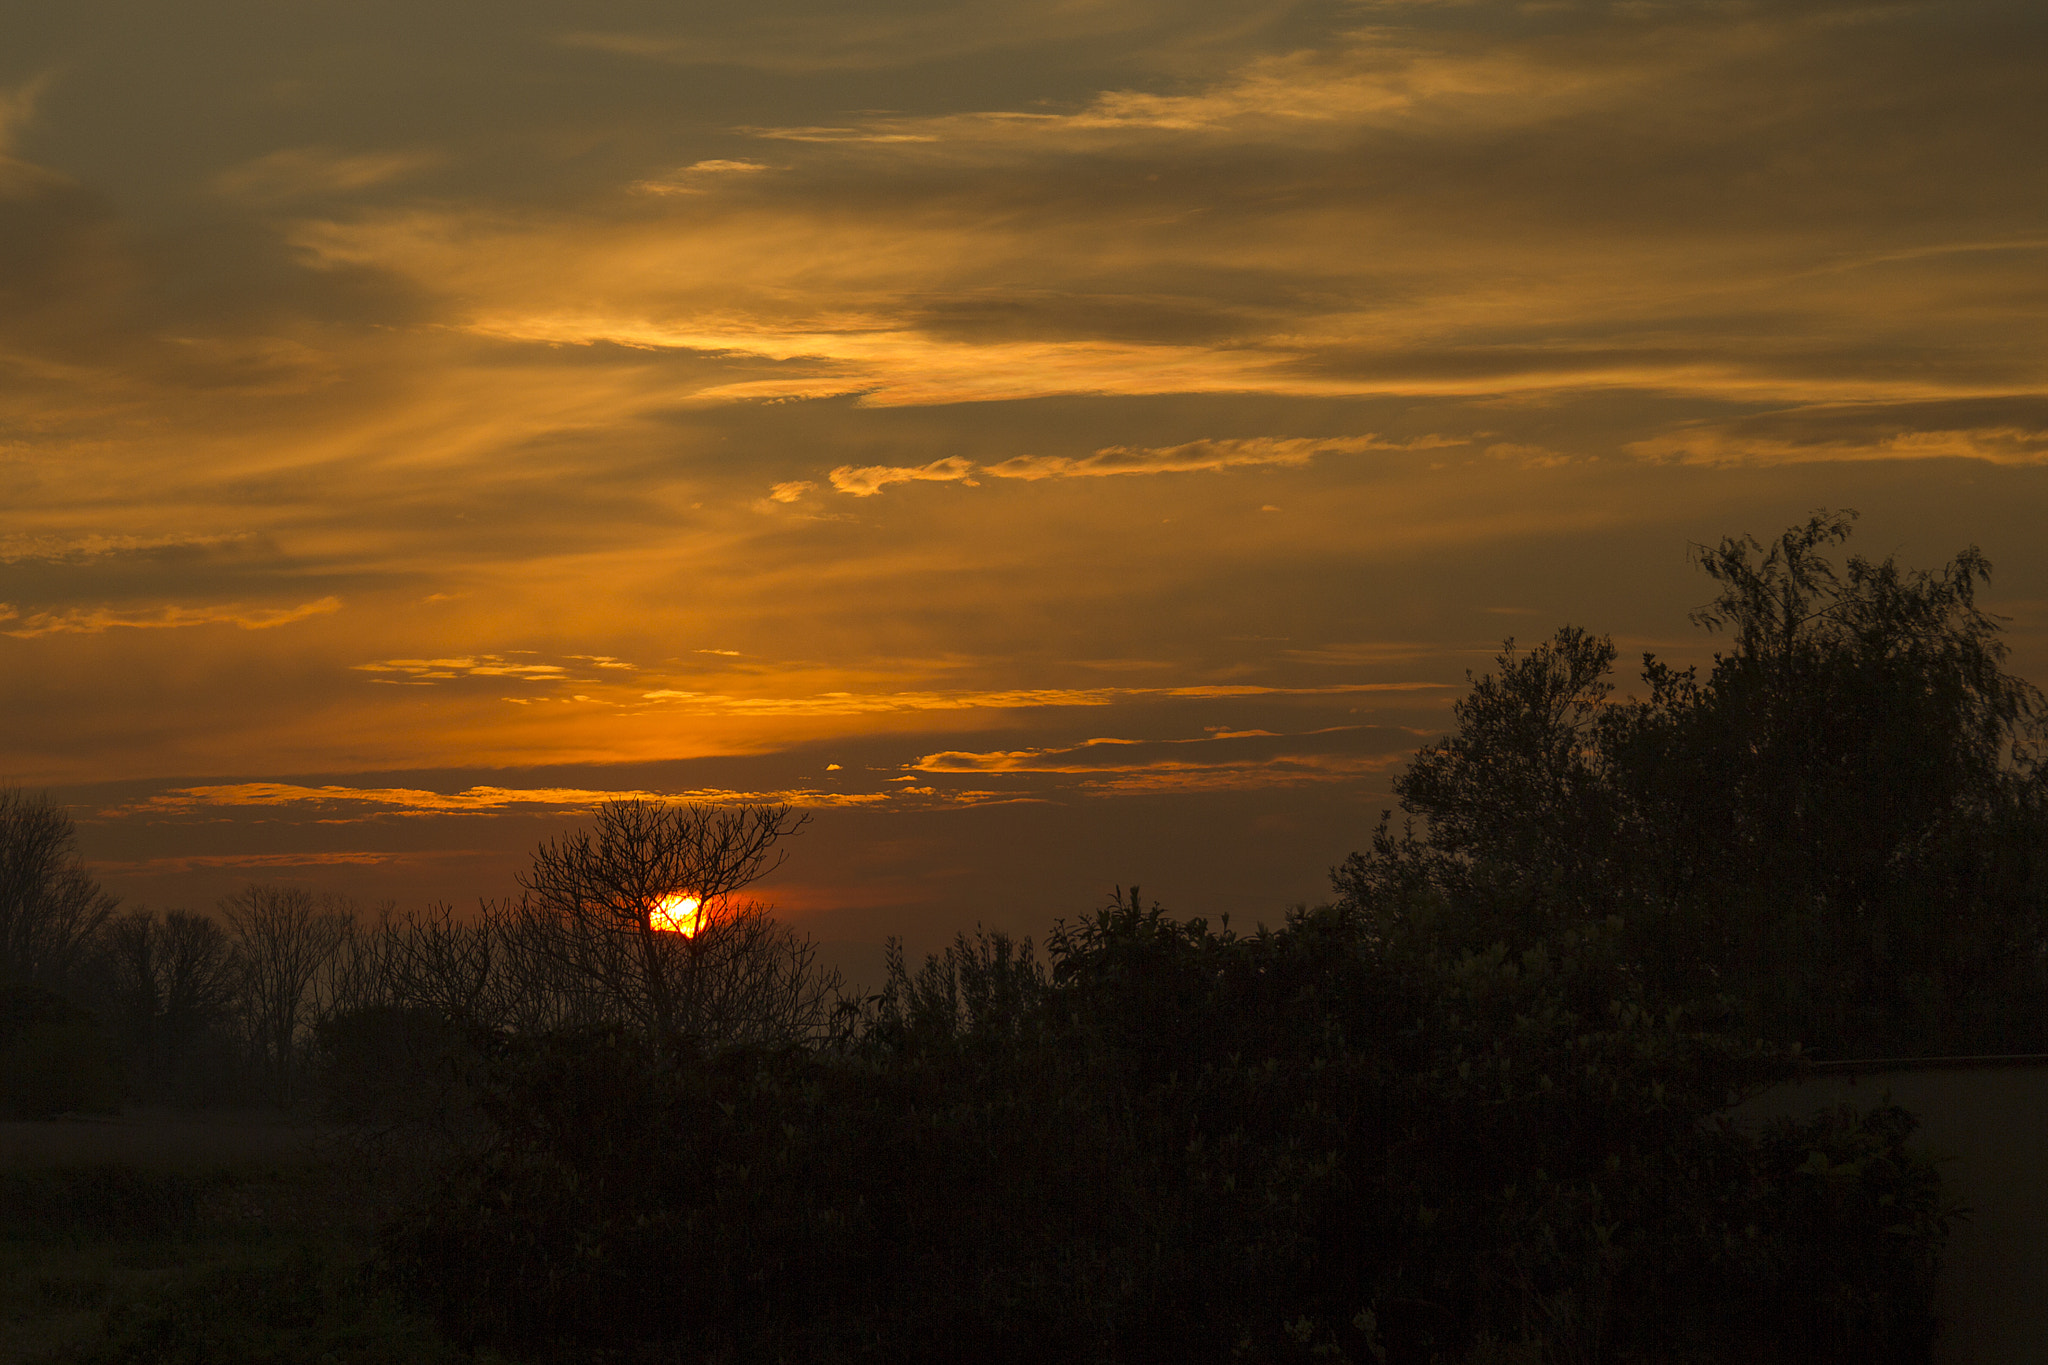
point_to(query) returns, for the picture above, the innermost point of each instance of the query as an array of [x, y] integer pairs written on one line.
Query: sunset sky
[[1059, 443]]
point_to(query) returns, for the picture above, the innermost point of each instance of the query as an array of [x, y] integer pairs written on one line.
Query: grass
[[192, 1240]]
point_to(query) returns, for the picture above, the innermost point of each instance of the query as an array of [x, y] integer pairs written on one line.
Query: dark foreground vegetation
[[1473, 1110], [160, 1251]]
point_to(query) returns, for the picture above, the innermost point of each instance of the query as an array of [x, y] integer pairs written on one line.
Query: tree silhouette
[[1844, 825], [285, 940], [589, 919], [170, 979], [50, 907]]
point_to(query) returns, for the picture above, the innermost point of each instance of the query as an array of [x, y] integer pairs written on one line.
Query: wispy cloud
[[1250, 452], [1373, 77], [885, 703], [428, 671], [1226, 759], [77, 548], [865, 481], [1992, 445], [409, 801], [300, 172], [869, 133], [699, 177], [1283, 451], [98, 620]]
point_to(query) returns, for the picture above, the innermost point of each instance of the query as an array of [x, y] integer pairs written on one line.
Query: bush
[[97, 1204], [54, 1057], [1313, 1143], [391, 1066]]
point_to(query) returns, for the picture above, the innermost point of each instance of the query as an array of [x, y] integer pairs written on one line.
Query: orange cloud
[[472, 801], [868, 480], [96, 620], [427, 671], [1224, 759], [878, 703], [1281, 451], [1284, 451], [2004, 445]]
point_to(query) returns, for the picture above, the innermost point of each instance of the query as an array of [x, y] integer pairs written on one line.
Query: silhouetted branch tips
[[584, 937], [287, 940], [50, 907]]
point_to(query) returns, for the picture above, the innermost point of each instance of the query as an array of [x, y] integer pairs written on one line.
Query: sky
[[1057, 444]]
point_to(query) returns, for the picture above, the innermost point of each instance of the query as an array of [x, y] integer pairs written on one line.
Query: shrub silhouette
[[1316, 1142], [1843, 829], [54, 1057]]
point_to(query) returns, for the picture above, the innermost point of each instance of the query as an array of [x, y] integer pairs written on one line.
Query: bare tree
[[359, 976], [50, 907], [753, 979], [434, 961], [170, 980], [596, 917], [286, 940]]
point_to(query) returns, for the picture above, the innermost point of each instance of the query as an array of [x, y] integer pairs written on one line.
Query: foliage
[[193, 1265], [97, 1204], [54, 1057], [1333, 1140], [1843, 828], [392, 1066]]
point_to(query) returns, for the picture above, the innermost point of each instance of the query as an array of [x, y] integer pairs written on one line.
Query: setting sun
[[674, 914]]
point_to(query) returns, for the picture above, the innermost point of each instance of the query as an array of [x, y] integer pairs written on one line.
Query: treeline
[[1473, 1110], [304, 1002], [1174, 1143]]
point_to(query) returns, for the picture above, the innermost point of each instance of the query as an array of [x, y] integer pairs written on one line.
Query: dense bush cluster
[[1843, 827], [1183, 1144]]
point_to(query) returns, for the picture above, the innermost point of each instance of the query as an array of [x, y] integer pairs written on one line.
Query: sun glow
[[674, 914]]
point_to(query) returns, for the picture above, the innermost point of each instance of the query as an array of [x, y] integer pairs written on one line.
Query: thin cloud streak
[[2014, 446], [1252, 758], [98, 620], [867, 704], [1253, 452], [406, 801]]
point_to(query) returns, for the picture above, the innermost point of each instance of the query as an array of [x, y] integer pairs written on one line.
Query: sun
[[675, 914]]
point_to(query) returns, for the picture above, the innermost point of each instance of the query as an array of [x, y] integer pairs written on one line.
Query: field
[[220, 1239]]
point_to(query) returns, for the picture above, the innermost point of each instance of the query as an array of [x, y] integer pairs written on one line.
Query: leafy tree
[[1844, 825]]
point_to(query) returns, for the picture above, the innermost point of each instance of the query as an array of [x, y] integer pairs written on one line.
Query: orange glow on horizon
[[675, 914]]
